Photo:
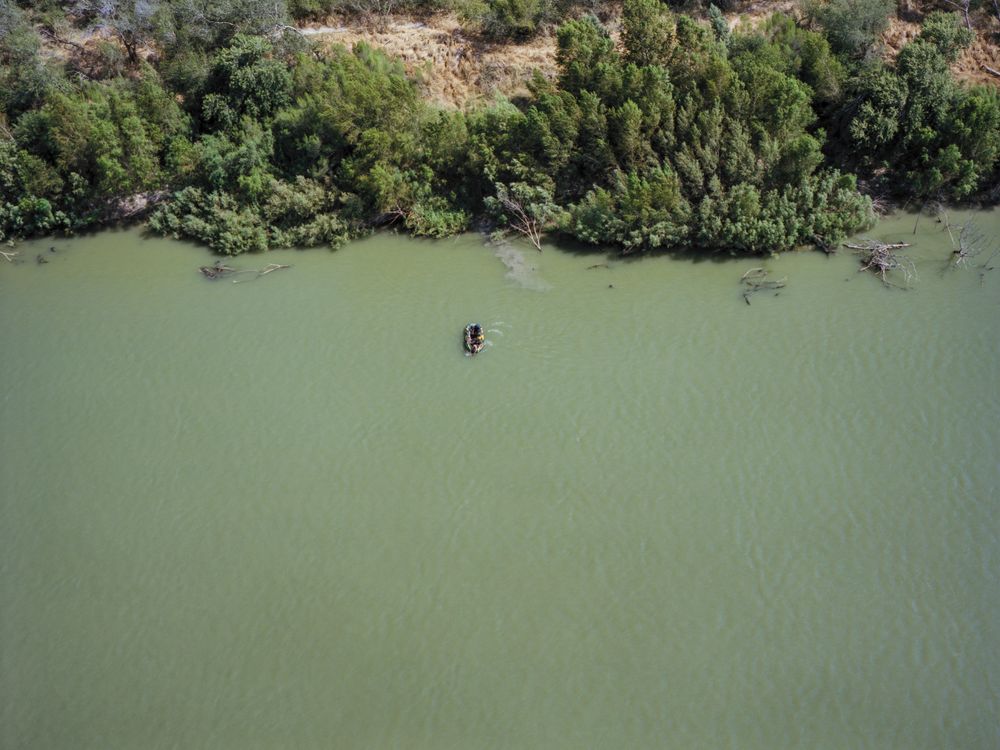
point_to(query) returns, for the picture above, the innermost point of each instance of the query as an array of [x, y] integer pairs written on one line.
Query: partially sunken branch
[[219, 270], [882, 259]]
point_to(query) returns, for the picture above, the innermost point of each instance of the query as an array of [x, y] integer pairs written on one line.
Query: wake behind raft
[[474, 339]]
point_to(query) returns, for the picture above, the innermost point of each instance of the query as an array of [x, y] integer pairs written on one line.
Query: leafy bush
[[940, 140], [947, 33], [507, 19], [851, 26]]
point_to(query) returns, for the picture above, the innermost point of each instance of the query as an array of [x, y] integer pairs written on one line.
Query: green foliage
[[672, 144], [216, 219], [211, 24], [637, 213], [586, 56], [434, 216], [647, 32], [521, 204], [881, 97], [338, 143], [719, 24], [940, 140], [687, 136], [25, 79], [294, 214], [799, 52], [244, 161], [110, 137], [947, 33], [851, 26], [246, 81], [508, 19]]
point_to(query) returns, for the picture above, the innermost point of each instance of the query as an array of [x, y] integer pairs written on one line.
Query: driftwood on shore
[[755, 280], [9, 255], [218, 270], [881, 259]]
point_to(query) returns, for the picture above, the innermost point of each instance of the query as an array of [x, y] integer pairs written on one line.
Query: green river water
[[291, 514]]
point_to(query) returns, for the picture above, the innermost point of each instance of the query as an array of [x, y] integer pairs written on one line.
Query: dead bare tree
[[967, 242], [755, 280], [882, 259], [521, 220], [526, 209]]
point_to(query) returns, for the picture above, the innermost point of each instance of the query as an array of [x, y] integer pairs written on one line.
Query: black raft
[[475, 340]]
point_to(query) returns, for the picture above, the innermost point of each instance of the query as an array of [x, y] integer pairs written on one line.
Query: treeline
[[683, 135]]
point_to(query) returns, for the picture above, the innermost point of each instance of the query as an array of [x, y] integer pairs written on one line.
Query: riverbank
[[652, 134]]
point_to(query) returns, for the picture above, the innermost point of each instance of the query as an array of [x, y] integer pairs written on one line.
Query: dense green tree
[[246, 81], [508, 19], [851, 26], [947, 33], [940, 139], [586, 56], [25, 79], [799, 52], [647, 32], [878, 98]]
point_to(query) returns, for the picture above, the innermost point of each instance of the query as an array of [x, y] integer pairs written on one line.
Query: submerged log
[[755, 280], [262, 272], [216, 271]]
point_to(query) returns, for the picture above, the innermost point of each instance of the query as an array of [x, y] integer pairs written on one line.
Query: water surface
[[290, 513]]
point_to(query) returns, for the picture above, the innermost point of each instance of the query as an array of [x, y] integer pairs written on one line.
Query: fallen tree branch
[[9, 255], [991, 71], [881, 259], [51, 34]]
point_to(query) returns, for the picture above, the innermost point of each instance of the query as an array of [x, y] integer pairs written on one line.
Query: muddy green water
[[290, 513]]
